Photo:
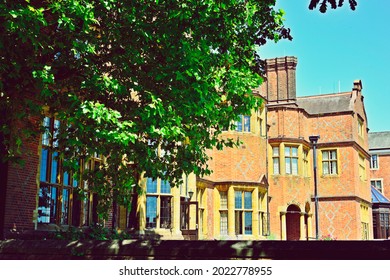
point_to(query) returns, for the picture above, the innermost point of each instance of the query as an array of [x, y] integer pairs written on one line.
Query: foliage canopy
[[148, 84]]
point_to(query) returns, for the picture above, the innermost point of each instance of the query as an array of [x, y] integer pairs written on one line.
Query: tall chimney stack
[[280, 84]]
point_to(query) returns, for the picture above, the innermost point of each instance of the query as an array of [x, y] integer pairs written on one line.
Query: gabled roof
[[326, 103], [379, 140], [377, 196]]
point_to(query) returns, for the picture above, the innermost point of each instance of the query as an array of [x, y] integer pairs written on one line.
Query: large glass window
[[329, 162], [158, 204], [243, 212], [57, 198]]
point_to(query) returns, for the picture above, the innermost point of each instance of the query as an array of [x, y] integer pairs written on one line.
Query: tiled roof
[[326, 103], [378, 197], [379, 140]]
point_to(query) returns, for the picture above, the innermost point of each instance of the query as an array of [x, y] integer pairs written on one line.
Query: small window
[[329, 162], [374, 164], [243, 124], [377, 183]]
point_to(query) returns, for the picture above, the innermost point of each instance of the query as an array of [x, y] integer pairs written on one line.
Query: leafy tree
[[148, 84]]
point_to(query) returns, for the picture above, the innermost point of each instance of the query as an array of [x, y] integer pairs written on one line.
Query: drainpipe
[[313, 141]]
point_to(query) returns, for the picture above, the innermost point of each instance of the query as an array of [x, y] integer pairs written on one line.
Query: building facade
[[379, 149], [265, 188], [342, 160]]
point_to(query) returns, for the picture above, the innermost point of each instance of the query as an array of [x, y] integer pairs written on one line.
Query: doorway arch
[[293, 227]]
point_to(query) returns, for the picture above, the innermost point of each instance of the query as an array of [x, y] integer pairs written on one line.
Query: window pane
[[294, 166], [248, 222], [53, 205], [379, 185], [325, 167], [55, 133], [275, 151], [248, 200], [238, 220], [276, 165], [44, 202], [239, 124], [333, 155], [237, 200], [151, 185], [65, 206], [333, 167], [287, 151], [66, 180], [151, 211], [325, 155], [288, 165], [165, 187], [295, 151], [224, 223], [223, 200], [54, 168], [46, 134], [165, 212], [247, 123], [44, 165]]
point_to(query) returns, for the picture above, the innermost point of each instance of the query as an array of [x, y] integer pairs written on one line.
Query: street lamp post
[[313, 140]]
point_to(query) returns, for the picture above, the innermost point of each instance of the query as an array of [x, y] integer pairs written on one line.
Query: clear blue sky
[[338, 47]]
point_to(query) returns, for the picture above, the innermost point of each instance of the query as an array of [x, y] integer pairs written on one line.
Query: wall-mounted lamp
[[190, 194]]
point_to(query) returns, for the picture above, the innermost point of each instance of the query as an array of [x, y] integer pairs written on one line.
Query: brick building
[[379, 149], [344, 198], [263, 189]]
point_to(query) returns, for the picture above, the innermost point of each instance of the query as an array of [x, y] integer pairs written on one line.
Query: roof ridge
[[324, 94]]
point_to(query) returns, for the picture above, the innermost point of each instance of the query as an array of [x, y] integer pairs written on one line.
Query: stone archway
[[293, 222]]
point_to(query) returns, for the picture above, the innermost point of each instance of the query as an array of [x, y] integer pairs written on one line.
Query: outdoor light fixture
[[313, 140], [190, 193]]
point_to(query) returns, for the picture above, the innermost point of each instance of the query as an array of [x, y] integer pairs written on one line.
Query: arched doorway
[[293, 222]]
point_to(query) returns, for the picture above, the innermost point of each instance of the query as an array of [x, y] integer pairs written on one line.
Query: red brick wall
[[383, 173], [22, 189], [245, 163]]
